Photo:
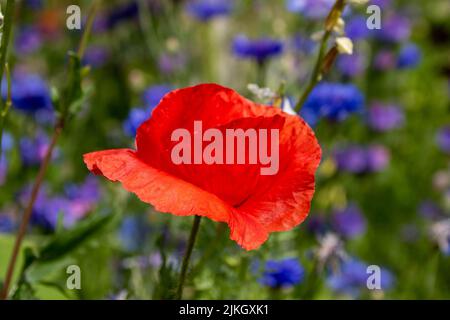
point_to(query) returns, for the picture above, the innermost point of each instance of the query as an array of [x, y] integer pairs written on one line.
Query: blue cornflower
[[205, 10], [282, 273], [351, 65], [258, 49], [443, 139], [360, 159], [396, 28], [7, 141], [356, 28], [314, 9], [7, 224], [28, 40], [124, 12], [72, 206], [96, 56], [133, 232], [352, 278], [30, 93], [349, 222], [409, 56], [3, 169], [153, 95], [33, 150], [333, 101], [384, 118], [136, 117]]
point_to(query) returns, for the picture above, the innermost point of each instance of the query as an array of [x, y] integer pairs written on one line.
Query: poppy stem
[[187, 257]]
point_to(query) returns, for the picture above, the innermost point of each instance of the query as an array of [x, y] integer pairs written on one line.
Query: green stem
[[4, 113], [316, 75], [59, 126], [187, 257], [87, 31]]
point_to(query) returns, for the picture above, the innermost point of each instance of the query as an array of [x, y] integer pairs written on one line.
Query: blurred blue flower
[[205, 10], [317, 224], [171, 63], [7, 142], [153, 95], [443, 139], [3, 169], [28, 40], [258, 49], [356, 28], [384, 118], [72, 206], [282, 273], [352, 278], [314, 9], [136, 117], [384, 60], [96, 56], [32, 150], [396, 28], [132, 232], [358, 159], [409, 56], [30, 93], [351, 65], [121, 13], [430, 210], [333, 101], [378, 158], [7, 224], [302, 43], [349, 222]]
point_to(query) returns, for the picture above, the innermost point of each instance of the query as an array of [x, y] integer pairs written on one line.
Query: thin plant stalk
[[5, 111], [316, 75], [43, 169], [187, 257], [6, 35]]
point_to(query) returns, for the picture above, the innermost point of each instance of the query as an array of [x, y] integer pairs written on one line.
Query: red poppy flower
[[253, 205]]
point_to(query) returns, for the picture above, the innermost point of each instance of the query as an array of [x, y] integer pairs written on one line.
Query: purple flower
[[30, 92], [282, 273], [384, 60], [409, 56], [33, 150], [333, 101], [205, 10], [378, 158], [28, 40], [430, 210], [351, 65], [352, 278], [384, 118], [443, 139], [121, 13], [258, 49], [314, 9], [171, 63], [349, 222], [7, 142], [395, 28]]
